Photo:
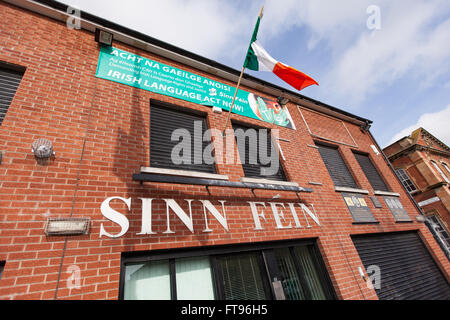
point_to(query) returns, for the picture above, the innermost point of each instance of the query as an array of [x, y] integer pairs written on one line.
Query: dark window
[[371, 172], [257, 153], [9, 82], [2, 267], [240, 273], [191, 147], [406, 181], [336, 166]]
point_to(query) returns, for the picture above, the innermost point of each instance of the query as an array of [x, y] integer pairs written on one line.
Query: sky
[[387, 61]]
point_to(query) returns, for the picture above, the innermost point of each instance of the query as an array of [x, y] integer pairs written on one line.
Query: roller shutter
[[9, 82], [163, 122], [336, 166], [371, 172], [248, 151], [408, 272]]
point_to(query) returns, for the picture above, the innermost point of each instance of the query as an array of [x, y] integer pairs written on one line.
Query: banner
[[134, 70]]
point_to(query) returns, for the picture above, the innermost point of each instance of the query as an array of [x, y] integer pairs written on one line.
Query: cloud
[[436, 123], [208, 28], [410, 43], [413, 42]]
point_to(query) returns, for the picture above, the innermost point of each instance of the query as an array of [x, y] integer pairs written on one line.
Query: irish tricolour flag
[[259, 60]]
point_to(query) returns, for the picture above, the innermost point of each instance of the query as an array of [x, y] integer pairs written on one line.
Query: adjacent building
[[422, 163], [118, 179]]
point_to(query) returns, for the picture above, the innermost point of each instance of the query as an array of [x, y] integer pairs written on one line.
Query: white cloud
[[406, 44], [414, 40], [205, 27], [436, 123]]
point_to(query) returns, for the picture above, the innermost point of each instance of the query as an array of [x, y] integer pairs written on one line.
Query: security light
[[283, 101], [103, 37], [42, 148]]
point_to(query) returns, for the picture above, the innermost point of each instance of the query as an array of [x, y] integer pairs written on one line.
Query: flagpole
[[234, 99], [237, 88]]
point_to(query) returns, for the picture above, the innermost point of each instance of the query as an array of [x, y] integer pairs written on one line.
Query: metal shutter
[[254, 170], [336, 166], [9, 82], [163, 121], [371, 172], [408, 272]]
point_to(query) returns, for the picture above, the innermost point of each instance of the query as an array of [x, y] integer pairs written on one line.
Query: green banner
[[134, 70]]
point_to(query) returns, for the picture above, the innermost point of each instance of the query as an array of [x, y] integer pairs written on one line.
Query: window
[[2, 267], [238, 273], [242, 277], [371, 172], [189, 279], [446, 167], [9, 82], [336, 166], [258, 154], [406, 181], [438, 226], [440, 171], [179, 140]]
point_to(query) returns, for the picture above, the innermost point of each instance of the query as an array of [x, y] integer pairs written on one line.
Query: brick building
[[423, 164], [110, 215]]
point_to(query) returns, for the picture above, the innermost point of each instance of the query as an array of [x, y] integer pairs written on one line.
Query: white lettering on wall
[[257, 215], [312, 215], [220, 218], [187, 220], [279, 214], [257, 210], [146, 224], [115, 216]]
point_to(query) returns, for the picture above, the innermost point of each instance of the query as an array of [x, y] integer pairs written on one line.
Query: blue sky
[[397, 75]]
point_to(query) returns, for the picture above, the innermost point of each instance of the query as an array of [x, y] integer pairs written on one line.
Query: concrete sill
[[386, 193], [366, 222], [267, 181], [184, 173], [350, 190]]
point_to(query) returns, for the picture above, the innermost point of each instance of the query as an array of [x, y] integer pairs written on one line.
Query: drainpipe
[[366, 128]]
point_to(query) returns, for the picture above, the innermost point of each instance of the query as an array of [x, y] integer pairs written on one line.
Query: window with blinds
[[242, 277], [371, 172], [255, 154], [336, 166], [406, 181], [178, 140], [9, 82], [294, 271]]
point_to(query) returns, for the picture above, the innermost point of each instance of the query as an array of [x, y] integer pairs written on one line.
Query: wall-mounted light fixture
[[283, 101], [103, 37], [67, 226], [43, 150]]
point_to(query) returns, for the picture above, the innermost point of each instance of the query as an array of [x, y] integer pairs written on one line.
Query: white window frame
[[440, 171], [404, 178]]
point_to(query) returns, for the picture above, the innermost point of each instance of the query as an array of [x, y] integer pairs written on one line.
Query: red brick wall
[[58, 94]]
